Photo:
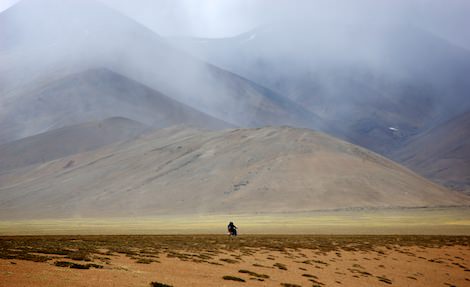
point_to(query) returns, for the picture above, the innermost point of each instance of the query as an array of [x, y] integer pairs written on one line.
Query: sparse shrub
[[280, 266], [144, 261], [233, 278], [254, 274], [76, 265], [63, 263], [158, 284], [79, 256], [260, 265], [310, 276], [228, 260], [79, 266], [384, 279]]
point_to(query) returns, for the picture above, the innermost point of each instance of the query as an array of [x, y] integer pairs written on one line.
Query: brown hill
[[66, 141], [442, 153], [187, 171]]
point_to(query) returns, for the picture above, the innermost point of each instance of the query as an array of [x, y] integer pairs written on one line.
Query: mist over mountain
[[81, 35], [92, 95], [379, 83]]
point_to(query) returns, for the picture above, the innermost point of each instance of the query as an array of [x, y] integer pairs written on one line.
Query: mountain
[[93, 95], [188, 171], [78, 36], [441, 153], [378, 84], [66, 141]]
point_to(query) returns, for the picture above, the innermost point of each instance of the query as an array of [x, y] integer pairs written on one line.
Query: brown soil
[[205, 260]]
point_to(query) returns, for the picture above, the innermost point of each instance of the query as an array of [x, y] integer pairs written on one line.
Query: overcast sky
[[221, 18], [4, 4]]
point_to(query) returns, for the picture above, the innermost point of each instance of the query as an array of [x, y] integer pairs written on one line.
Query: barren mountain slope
[[66, 141], [185, 171], [442, 153], [90, 96]]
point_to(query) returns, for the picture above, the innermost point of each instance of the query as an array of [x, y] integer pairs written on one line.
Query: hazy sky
[[221, 18], [6, 3]]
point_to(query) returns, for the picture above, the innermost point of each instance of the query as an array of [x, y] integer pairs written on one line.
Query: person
[[232, 229]]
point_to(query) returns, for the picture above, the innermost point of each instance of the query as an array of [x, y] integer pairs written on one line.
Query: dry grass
[[203, 248]]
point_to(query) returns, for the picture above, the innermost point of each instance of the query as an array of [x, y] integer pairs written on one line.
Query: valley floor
[[430, 220], [253, 260]]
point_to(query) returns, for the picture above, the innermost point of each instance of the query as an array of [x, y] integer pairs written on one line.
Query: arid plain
[[249, 260]]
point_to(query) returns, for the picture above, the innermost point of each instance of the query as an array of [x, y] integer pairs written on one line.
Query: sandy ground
[[394, 265]]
